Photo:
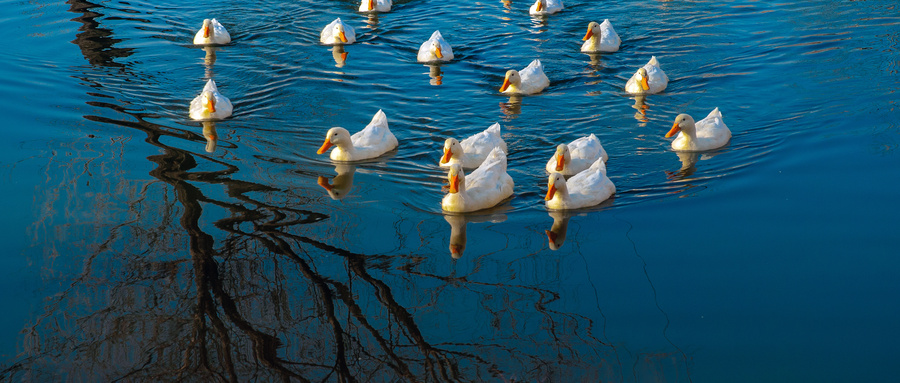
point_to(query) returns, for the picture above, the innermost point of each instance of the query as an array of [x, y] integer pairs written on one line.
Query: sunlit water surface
[[141, 245]]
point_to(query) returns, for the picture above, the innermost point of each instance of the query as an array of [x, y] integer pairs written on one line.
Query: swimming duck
[[483, 188], [375, 6], [587, 188], [210, 104], [472, 151], [600, 38], [435, 49], [374, 140], [530, 80], [212, 33], [337, 33], [576, 156], [545, 7], [648, 79], [708, 133]]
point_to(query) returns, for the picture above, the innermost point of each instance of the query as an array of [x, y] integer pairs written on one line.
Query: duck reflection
[[507, 4], [512, 108], [556, 236], [641, 107], [340, 55], [210, 59], [458, 223], [437, 76], [595, 62], [372, 20], [212, 137], [341, 183]]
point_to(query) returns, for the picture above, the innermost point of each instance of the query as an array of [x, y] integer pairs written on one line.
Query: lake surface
[[143, 246]]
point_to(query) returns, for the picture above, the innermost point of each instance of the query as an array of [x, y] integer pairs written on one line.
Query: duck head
[[643, 79], [592, 29], [456, 178], [685, 123], [562, 157], [452, 149], [207, 31], [338, 32], [556, 184], [208, 100], [336, 136], [512, 81], [436, 49]]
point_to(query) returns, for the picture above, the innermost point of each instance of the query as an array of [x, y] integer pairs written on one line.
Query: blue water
[[138, 251]]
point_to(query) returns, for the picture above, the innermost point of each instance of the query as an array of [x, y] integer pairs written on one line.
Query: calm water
[[137, 250]]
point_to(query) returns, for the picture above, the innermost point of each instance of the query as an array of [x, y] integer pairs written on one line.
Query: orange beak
[[447, 154], [325, 146], [437, 52], [211, 104], [206, 31], [560, 163], [371, 4], [540, 6], [588, 34], [323, 182], [645, 85], [675, 129], [550, 192], [551, 236], [505, 84], [342, 36], [454, 184]]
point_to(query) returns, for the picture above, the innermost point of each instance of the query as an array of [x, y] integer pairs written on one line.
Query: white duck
[[530, 80], [576, 156], [374, 140], [375, 6], [545, 7], [708, 133], [435, 49], [210, 104], [587, 188], [600, 38], [648, 79], [483, 188], [472, 151], [212, 33], [337, 33]]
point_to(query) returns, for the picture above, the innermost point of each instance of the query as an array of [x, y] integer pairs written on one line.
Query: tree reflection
[[214, 278]]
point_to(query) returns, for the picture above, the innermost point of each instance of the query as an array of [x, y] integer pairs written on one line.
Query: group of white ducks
[[489, 184]]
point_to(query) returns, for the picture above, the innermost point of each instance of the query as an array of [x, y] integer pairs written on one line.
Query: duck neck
[[344, 151]]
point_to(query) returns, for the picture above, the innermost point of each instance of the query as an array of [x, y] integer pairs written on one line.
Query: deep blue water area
[[141, 245]]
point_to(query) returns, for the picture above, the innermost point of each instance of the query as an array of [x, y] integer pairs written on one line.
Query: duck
[[212, 33], [374, 140], [648, 79], [435, 49], [210, 104], [587, 188], [375, 6], [600, 38], [545, 7], [472, 151], [706, 134], [576, 156], [337, 33], [530, 80], [485, 187]]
